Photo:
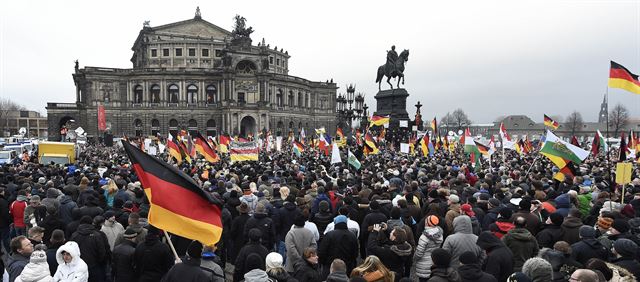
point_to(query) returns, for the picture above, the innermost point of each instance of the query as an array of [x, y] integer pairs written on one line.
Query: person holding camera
[[394, 251]]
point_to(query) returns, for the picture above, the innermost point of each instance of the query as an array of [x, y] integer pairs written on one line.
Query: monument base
[[392, 103]]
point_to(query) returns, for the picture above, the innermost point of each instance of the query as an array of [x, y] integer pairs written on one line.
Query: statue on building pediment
[[240, 29]]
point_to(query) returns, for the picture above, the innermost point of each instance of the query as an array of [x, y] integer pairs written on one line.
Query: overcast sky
[[490, 58]]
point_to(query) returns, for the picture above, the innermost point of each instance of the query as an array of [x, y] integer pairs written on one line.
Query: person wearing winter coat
[[261, 220], [111, 228], [571, 227], [93, 246], [49, 223], [626, 252], [441, 271], [533, 221], [588, 247], [521, 243], [249, 198], [296, 241], [152, 258], [557, 261], [462, 240], [394, 252], [563, 205], [470, 270], [375, 216], [252, 247], [236, 234], [71, 268], [492, 213], [37, 270], [275, 268], [122, 262], [256, 271], [21, 249], [552, 231], [189, 269], [339, 243], [453, 212], [307, 269], [538, 269], [337, 272], [610, 271], [503, 223], [431, 239], [499, 261], [323, 217]]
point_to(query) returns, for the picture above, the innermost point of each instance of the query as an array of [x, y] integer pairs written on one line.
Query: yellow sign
[[623, 173]]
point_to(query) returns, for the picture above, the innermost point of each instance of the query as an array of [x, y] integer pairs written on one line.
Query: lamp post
[[347, 110]]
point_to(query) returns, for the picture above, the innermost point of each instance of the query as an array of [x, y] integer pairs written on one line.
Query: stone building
[[35, 125], [194, 75]]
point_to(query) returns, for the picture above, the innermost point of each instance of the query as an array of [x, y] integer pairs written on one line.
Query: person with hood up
[[189, 269], [521, 243], [503, 223], [538, 269], [296, 241], [588, 247], [563, 205], [339, 243], [275, 268], [67, 205], [470, 271], [431, 239], [552, 231], [557, 261], [441, 270], [71, 268], [93, 246], [499, 261], [626, 252], [571, 227], [462, 240], [395, 252], [37, 270]]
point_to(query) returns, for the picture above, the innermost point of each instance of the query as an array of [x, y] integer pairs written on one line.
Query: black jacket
[[397, 257], [307, 272], [549, 236], [444, 275], [123, 263], [490, 218], [66, 209], [630, 264], [266, 226], [286, 214], [50, 223], [473, 273], [5, 217], [499, 261], [237, 236], [51, 258], [322, 219], [188, 271], [339, 243], [91, 244], [571, 228], [152, 259], [588, 248], [250, 248]]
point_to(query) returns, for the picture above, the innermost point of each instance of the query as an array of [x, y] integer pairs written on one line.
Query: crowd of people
[[399, 217]]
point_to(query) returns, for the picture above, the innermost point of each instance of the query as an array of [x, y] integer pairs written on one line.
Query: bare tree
[[6, 107], [574, 122], [460, 119], [618, 118]]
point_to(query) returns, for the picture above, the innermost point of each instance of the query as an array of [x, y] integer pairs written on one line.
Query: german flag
[[370, 145], [483, 149], [550, 123], [621, 77], [178, 205], [203, 147], [378, 120], [174, 151], [434, 126], [225, 140]]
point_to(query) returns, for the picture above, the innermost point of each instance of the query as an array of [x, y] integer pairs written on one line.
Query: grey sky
[[490, 58]]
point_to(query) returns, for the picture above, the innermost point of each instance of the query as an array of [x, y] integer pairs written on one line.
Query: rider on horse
[[392, 57]]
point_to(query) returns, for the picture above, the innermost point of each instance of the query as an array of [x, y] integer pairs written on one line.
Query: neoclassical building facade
[[196, 76]]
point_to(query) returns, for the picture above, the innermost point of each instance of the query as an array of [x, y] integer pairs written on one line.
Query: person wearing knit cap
[[430, 239], [588, 246], [552, 231], [253, 246], [255, 265], [339, 243], [626, 252], [470, 270], [37, 269], [296, 241], [503, 223], [275, 268], [123, 255], [538, 269], [518, 277], [604, 224], [441, 268], [491, 216], [454, 210]]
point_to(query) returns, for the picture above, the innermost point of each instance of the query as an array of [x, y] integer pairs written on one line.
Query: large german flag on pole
[[178, 205], [203, 147], [621, 77]]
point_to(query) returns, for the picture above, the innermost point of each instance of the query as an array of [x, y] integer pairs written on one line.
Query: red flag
[[102, 119], [574, 141]]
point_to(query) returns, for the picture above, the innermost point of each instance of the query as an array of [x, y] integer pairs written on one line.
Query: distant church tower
[[604, 110]]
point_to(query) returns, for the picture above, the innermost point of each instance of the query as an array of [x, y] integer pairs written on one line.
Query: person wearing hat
[[453, 212], [493, 211], [261, 220], [153, 258], [122, 257], [430, 239], [503, 223], [189, 269], [111, 228], [253, 246], [237, 231], [588, 247], [533, 222], [296, 241], [71, 267], [552, 231], [441, 269], [538, 269], [340, 243], [499, 261], [37, 269], [626, 252], [470, 270], [467, 210], [275, 268]]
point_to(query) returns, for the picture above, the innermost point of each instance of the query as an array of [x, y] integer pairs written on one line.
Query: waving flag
[[225, 140], [352, 160], [177, 204], [341, 140], [620, 77], [434, 126], [378, 120], [598, 144], [203, 147], [297, 148], [370, 145], [550, 123], [174, 151]]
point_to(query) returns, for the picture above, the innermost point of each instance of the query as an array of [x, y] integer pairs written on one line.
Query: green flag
[[353, 161]]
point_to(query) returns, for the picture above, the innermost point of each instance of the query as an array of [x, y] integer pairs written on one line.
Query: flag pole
[[606, 141], [173, 249], [534, 162]]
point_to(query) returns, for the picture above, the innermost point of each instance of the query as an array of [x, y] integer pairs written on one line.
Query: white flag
[[335, 154]]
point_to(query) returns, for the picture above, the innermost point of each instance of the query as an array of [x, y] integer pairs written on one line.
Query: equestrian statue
[[394, 68]]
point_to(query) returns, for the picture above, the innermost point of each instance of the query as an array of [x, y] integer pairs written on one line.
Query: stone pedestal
[[392, 103]]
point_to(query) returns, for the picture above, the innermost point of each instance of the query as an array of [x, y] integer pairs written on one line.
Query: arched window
[[137, 125], [291, 129], [300, 100], [137, 94], [173, 127], [155, 94], [211, 128], [280, 128], [279, 98], [192, 126], [211, 94], [291, 100], [192, 94], [155, 127], [246, 67], [174, 91]]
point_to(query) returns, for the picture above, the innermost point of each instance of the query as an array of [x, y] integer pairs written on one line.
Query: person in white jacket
[[71, 268], [37, 270]]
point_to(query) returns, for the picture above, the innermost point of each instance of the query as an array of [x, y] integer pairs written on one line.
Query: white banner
[[404, 148], [404, 123], [279, 143]]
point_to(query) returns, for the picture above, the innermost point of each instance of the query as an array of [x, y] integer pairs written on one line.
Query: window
[[211, 94], [279, 100], [155, 127], [137, 94], [178, 52], [192, 52], [155, 94], [205, 52], [165, 52], [277, 62], [192, 94], [271, 60], [218, 53], [192, 126], [241, 97], [291, 100], [154, 53], [211, 128], [173, 93], [300, 100]]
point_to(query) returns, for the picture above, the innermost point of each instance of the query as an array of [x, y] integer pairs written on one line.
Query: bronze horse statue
[[397, 70]]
